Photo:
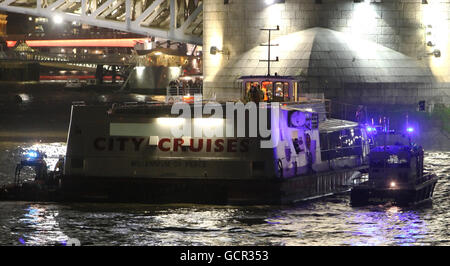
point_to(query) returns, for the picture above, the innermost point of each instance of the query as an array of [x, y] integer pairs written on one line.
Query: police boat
[[396, 171], [43, 187]]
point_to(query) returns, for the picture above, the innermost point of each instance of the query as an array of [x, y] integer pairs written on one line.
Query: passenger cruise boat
[[128, 152]]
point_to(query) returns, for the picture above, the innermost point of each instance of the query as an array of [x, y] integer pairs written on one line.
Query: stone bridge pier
[[368, 51]]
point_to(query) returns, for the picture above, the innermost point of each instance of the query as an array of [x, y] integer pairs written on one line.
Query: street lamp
[[57, 19], [214, 50]]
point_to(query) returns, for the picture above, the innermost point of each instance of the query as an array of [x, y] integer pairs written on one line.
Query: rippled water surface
[[330, 221]]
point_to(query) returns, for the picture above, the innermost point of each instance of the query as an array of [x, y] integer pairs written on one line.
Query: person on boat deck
[[249, 93], [60, 164], [269, 95], [255, 94], [309, 154], [41, 171], [360, 114]]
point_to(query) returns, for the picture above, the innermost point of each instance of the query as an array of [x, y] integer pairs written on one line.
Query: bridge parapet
[[115, 59]]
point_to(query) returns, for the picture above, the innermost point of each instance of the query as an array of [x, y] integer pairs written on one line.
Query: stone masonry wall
[[402, 25]]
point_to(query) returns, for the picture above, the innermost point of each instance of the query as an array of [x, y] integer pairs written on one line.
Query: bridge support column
[[99, 74], [114, 73]]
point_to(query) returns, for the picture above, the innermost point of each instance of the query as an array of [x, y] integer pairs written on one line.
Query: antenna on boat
[[269, 45], [408, 128], [385, 133]]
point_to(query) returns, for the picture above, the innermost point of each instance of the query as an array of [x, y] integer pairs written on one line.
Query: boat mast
[[269, 45]]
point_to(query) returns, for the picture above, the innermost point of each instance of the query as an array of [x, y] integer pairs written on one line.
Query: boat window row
[[393, 161], [282, 90], [343, 143]]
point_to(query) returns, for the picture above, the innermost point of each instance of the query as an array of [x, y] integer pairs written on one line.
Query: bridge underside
[[176, 20]]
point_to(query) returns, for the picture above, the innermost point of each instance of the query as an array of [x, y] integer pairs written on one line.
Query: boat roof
[[331, 125], [277, 77]]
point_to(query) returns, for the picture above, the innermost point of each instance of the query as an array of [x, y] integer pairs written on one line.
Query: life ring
[[280, 168]]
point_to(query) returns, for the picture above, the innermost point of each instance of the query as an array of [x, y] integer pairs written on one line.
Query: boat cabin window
[[335, 140], [393, 161], [279, 89], [324, 145], [248, 86], [275, 91], [341, 143], [351, 137], [391, 139], [267, 88], [296, 91]]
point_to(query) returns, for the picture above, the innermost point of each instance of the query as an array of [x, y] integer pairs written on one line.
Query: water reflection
[[330, 221], [41, 227], [391, 226]]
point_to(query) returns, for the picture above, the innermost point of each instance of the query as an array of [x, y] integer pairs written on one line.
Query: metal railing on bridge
[[112, 59]]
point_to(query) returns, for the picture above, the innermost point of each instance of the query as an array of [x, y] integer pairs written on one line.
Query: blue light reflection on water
[[390, 226], [41, 225], [330, 221], [99, 224]]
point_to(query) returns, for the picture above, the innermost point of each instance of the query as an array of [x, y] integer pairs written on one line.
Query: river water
[[328, 221]]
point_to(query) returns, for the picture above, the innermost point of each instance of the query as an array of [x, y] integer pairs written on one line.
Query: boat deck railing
[[180, 91], [340, 152], [424, 178]]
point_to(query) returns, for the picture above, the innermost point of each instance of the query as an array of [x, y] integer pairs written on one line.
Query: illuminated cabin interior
[[274, 88]]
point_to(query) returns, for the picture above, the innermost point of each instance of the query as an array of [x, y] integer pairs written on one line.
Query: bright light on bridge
[[58, 19], [157, 18]]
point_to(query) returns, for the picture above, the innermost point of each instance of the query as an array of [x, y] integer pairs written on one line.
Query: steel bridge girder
[[125, 15]]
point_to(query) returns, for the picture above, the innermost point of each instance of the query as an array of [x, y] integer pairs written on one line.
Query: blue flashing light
[[410, 130], [32, 154], [370, 129]]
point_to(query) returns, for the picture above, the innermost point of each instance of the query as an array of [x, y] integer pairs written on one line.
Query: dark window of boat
[[380, 163], [342, 143], [324, 147], [314, 120], [323, 141]]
